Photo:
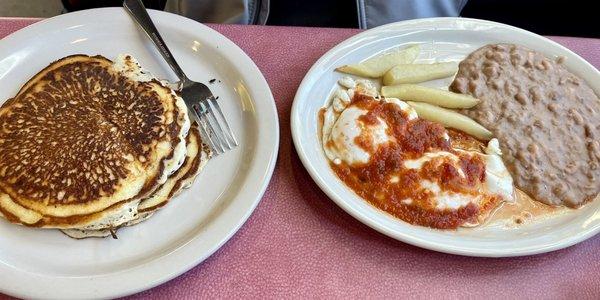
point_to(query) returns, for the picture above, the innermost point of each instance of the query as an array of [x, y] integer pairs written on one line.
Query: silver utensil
[[197, 96]]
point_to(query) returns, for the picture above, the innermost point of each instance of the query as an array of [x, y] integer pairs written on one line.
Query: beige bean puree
[[546, 118]]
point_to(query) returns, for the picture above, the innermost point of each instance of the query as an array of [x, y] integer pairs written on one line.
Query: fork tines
[[213, 126]]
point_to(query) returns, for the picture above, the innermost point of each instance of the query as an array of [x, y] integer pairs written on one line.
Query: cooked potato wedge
[[375, 67], [412, 92], [415, 73], [451, 119]]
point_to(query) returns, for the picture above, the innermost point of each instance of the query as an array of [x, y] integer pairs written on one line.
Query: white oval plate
[[447, 39], [47, 264]]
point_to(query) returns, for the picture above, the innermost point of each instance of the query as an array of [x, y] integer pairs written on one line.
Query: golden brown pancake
[[197, 155], [83, 136]]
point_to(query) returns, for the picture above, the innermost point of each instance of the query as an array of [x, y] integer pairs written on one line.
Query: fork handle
[[139, 13]]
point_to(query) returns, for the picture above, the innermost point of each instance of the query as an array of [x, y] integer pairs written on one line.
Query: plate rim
[[295, 125], [264, 168]]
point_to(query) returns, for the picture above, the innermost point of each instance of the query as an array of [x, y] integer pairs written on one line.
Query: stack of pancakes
[[89, 145]]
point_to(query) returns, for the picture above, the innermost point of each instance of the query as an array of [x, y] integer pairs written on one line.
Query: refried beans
[[546, 118]]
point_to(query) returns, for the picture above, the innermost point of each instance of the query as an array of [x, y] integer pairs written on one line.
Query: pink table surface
[[299, 244]]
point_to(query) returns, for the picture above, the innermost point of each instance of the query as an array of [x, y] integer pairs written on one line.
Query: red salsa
[[386, 183]]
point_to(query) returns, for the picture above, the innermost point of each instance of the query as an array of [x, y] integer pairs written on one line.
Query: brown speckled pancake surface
[[80, 137], [197, 155]]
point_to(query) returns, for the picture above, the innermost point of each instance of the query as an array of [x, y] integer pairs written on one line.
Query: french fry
[[412, 92], [415, 73], [451, 119], [375, 67]]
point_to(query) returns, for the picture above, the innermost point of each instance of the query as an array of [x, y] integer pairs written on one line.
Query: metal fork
[[197, 96]]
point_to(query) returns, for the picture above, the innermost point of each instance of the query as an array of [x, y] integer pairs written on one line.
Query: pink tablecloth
[[298, 243]]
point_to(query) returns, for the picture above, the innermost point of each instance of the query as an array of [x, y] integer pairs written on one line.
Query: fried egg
[[437, 184]]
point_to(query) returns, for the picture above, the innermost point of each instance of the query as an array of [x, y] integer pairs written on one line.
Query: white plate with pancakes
[[44, 263], [440, 40]]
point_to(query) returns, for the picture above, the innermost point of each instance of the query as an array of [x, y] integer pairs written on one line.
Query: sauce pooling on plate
[[410, 167]]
